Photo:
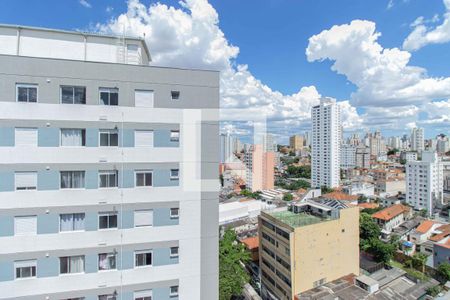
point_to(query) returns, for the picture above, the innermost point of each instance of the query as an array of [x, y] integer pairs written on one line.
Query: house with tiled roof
[[441, 252], [424, 231], [428, 234], [391, 217], [341, 196], [252, 245]]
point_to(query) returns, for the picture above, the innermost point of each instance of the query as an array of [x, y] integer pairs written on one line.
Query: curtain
[[65, 180], [71, 137], [78, 179], [78, 221], [76, 264], [66, 222]]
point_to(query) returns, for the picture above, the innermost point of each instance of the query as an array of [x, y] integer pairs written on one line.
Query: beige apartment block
[[296, 142], [306, 245]]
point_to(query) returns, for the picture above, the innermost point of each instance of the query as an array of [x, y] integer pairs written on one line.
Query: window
[[174, 135], [175, 95], [25, 181], [143, 98], [144, 178], [109, 138], [107, 297], [143, 138], [71, 264], [174, 291], [143, 258], [107, 179], [143, 218], [25, 225], [106, 261], [72, 179], [25, 268], [73, 137], [174, 251], [109, 96], [107, 220], [71, 222], [26, 92], [26, 137], [143, 295], [174, 174], [73, 94], [174, 213]]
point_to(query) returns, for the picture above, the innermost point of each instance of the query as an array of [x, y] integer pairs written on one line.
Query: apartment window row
[[137, 295], [72, 94], [27, 180], [76, 263], [76, 137], [69, 222]]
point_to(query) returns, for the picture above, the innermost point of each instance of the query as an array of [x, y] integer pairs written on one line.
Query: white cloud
[[383, 76], [423, 35], [85, 3]]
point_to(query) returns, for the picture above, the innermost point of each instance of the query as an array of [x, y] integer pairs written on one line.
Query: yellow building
[[307, 245], [296, 142]]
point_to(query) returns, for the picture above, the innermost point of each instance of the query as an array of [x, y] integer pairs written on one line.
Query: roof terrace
[[296, 219]]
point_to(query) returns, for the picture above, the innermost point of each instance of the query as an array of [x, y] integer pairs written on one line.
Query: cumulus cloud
[[383, 76], [423, 35], [190, 37], [85, 3]]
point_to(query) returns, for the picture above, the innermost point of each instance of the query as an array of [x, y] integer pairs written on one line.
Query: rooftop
[[251, 242], [296, 219], [340, 196], [390, 212]]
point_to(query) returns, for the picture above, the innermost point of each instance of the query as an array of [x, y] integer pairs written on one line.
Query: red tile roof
[[251, 242], [445, 229], [425, 226], [391, 212], [340, 196], [368, 205]]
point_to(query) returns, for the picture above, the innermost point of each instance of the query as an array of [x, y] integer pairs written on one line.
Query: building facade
[[306, 246], [326, 144], [348, 156], [102, 168], [260, 169], [417, 140], [424, 182], [296, 142]]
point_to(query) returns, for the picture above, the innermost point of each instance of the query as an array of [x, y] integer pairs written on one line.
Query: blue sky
[[272, 36]]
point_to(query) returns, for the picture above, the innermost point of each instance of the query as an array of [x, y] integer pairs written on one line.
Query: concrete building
[[269, 143], [305, 246], [408, 156], [348, 156], [394, 142], [226, 148], [390, 187], [376, 144], [296, 142], [260, 169], [417, 140], [442, 144], [103, 166], [424, 182], [362, 157], [326, 144], [391, 217]]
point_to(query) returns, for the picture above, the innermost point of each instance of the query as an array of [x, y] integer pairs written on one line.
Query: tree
[[232, 276], [381, 251], [392, 151], [288, 197], [299, 172], [325, 190], [444, 270], [395, 241], [419, 260], [368, 229], [433, 291]]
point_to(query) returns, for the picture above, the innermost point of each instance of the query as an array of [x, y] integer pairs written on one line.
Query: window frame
[[25, 188], [34, 129], [109, 90], [109, 214], [108, 132], [32, 265], [177, 177], [177, 94], [141, 252], [83, 137], [172, 255], [28, 86], [71, 188], [175, 216], [108, 254], [27, 233], [174, 294], [136, 172], [73, 223], [143, 210], [73, 93], [68, 264], [108, 173], [175, 139]]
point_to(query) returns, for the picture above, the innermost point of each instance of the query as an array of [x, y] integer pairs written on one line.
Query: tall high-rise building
[[394, 142], [326, 144], [296, 142], [268, 143], [376, 144], [101, 154], [442, 144], [417, 140], [348, 156], [362, 157], [226, 147], [354, 140], [424, 182], [307, 139], [260, 168]]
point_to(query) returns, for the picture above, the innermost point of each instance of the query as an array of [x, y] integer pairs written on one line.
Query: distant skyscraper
[[442, 144], [348, 156], [362, 157], [226, 147], [376, 144], [354, 140], [417, 140], [260, 168], [307, 139], [424, 182], [296, 142], [394, 142], [326, 143], [268, 143]]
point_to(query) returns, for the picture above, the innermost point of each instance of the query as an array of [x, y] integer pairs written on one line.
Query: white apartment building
[[107, 188], [226, 148], [326, 144], [442, 144], [348, 156], [417, 140], [424, 182]]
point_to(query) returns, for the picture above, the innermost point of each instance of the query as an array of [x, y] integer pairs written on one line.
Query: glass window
[[143, 295], [72, 179], [71, 222], [71, 264], [175, 95], [174, 173], [73, 94], [107, 220], [174, 291], [106, 261], [26, 92], [109, 96], [144, 178], [107, 297], [174, 213], [174, 135], [109, 138], [143, 258], [73, 137], [25, 268], [25, 180], [107, 179], [174, 251]]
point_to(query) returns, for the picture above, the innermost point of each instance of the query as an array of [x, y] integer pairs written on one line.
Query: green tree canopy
[[299, 172], [232, 276], [444, 270], [368, 229], [382, 252], [288, 197]]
